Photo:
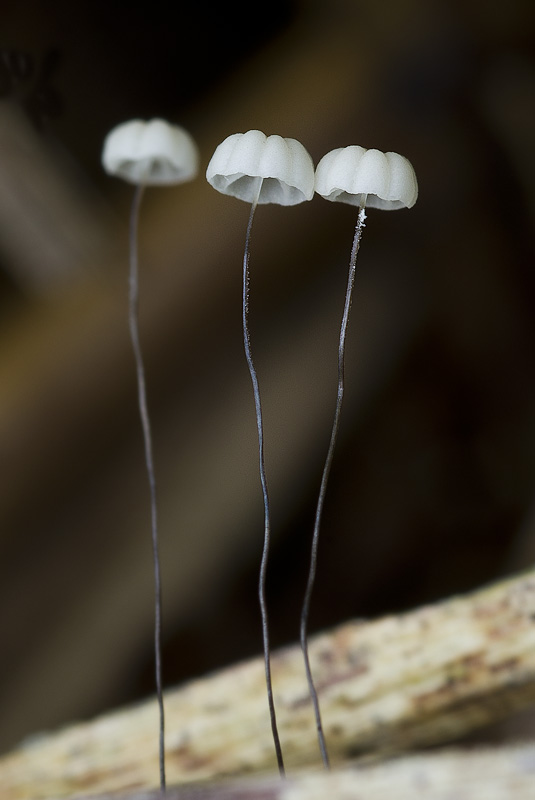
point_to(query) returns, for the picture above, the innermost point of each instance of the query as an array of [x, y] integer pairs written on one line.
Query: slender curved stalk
[[305, 611], [263, 481], [133, 320]]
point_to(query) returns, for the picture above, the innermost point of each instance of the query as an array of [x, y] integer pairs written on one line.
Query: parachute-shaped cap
[[285, 167], [387, 179], [150, 153]]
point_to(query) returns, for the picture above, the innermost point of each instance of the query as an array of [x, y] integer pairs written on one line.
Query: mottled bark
[[420, 678], [497, 773]]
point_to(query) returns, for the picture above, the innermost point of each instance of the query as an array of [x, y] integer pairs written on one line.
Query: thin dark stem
[[325, 477], [267, 524], [133, 296]]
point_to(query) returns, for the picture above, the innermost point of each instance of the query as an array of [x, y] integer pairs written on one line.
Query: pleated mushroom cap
[[346, 174], [284, 165], [150, 153]]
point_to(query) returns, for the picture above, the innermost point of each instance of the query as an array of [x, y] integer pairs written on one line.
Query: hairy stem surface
[[305, 611]]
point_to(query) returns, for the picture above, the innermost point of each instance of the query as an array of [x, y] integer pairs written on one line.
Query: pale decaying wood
[[487, 774], [416, 679]]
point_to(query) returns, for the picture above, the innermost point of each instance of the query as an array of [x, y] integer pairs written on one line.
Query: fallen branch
[[421, 678], [501, 773]]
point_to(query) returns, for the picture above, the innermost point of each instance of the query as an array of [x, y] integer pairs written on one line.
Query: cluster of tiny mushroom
[[258, 169], [156, 153]]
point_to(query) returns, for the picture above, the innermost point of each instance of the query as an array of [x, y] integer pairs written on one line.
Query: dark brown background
[[432, 490]]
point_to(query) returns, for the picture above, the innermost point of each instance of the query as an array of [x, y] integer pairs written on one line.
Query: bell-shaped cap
[[285, 167], [150, 153], [387, 179]]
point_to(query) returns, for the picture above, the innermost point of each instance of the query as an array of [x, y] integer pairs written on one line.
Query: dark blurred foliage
[[35, 92]]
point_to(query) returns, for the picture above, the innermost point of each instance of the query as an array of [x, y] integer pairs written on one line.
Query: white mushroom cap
[[284, 165], [346, 174], [150, 153]]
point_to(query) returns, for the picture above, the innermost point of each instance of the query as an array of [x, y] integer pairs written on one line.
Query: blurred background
[[433, 487]]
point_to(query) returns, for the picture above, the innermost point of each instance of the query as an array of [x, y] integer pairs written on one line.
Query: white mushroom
[[282, 166], [261, 169], [386, 180], [150, 153], [361, 178]]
